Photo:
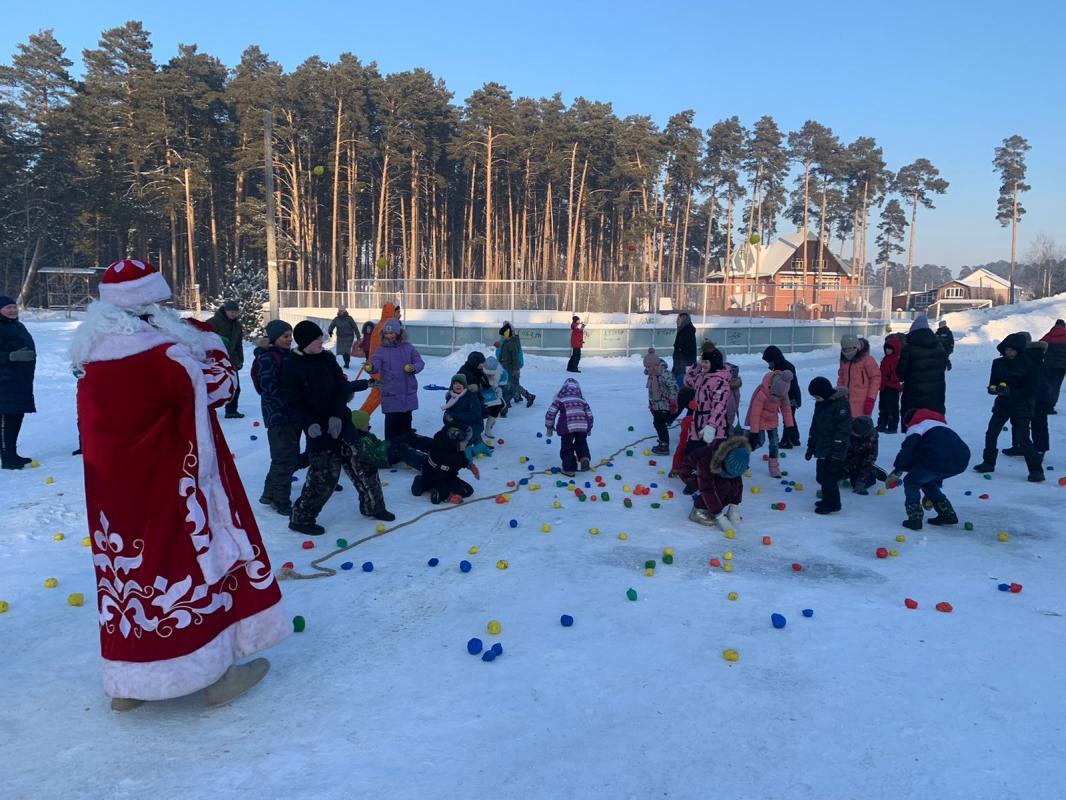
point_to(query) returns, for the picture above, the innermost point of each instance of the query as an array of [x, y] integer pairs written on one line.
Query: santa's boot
[[945, 514], [914, 516], [775, 467], [125, 703], [235, 681]]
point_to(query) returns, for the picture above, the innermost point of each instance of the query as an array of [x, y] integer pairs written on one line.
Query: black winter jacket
[[1036, 352], [444, 461], [862, 455], [271, 363], [934, 446], [773, 356], [1012, 380], [476, 379], [16, 377], [684, 348], [947, 339], [315, 388], [232, 336], [922, 365], [830, 428]]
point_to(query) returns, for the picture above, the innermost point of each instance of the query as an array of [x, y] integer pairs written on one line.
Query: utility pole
[[268, 182]]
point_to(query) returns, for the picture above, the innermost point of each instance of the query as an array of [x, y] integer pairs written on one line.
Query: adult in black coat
[[1012, 382], [775, 359], [947, 339], [922, 365], [684, 346], [18, 360]]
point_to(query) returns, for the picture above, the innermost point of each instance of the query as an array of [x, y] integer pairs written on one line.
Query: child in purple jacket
[[397, 362], [571, 416]]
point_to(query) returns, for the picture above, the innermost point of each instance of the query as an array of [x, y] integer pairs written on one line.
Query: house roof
[[768, 260], [983, 277]]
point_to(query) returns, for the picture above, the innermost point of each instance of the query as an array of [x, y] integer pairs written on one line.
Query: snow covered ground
[[378, 698]]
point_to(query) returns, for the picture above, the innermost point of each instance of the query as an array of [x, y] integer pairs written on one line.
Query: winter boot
[[775, 467], [416, 486], [490, 423], [583, 466], [529, 399], [945, 514], [732, 513], [568, 473], [661, 449], [914, 516], [689, 490], [234, 415], [985, 466], [824, 509], [285, 509], [1035, 477], [306, 528], [1012, 451], [703, 517], [385, 516], [125, 704], [235, 681]]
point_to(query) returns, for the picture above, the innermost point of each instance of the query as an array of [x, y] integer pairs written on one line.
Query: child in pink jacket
[[768, 405]]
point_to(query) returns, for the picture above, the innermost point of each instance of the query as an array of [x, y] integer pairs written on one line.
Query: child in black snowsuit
[[1012, 382], [280, 420], [828, 440], [440, 473], [862, 455], [930, 454], [316, 389]]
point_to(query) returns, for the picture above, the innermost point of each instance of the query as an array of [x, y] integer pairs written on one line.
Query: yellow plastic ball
[[626, 489], [731, 534], [755, 490], [50, 583], [49, 481], [668, 551], [647, 452], [594, 531], [798, 487], [380, 528], [59, 537], [1003, 536], [893, 553], [649, 572], [880, 492], [733, 596], [747, 473], [727, 567], [86, 542], [731, 655], [522, 459], [900, 537], [728, 556], [4, 606], [494, 627], [76, 599], [546, 528], [473, 550], [557, 504], [502, 564], [623, 536], [533, 487], [34, 464]]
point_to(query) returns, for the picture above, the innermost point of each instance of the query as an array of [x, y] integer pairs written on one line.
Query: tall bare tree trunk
[[710, 233], [684, 237], [415, 242], [353, 237], [1013, 240], [662, 235], [821, 242], [865, 221], [488, 204], [570, 217], [189, 222], [379, 241], [334, 216], [729, 234]]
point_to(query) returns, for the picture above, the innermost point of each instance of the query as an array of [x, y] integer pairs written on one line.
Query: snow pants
[[284, 441]]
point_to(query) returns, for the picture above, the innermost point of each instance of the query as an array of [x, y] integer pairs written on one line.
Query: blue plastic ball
[[531, 468], [433, 562], [464, 566], [566, 620], [540, 435], [784, 483], [1004, 587], [368, 566], [497, 649], [588, 485], [555, 470], [653, 485], [788, 489], [777, 620], [524, 481], [488, 655], [514, 523], [808, 612], [347, 565], [474, 646], [967, 493], [254, 438], [547, 441]]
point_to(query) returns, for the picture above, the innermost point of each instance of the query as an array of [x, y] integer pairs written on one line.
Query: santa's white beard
[[104, 319]]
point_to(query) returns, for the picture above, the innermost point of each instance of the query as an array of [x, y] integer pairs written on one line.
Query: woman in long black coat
[[684, 346], [922, 367], [18, 360]]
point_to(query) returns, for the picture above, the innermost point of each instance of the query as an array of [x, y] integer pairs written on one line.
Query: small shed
[[71, 288]]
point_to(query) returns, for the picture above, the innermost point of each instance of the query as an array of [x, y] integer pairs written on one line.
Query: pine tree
[[246, 282], [892, 226], [1009, 161], [916, 182]]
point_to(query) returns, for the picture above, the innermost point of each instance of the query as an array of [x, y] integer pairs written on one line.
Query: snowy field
[[378, 698]]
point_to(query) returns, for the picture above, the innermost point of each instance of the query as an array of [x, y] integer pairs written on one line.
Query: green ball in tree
[[754, 238], [320, 171], [382, 263]]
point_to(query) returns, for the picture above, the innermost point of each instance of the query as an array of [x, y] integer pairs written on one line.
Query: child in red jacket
[[888, 400]]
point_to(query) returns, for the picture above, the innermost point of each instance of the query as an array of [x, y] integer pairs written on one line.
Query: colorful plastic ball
[[513, 523], [967, 493], [808, 612], [488, 655], [287, 565], [299, 624], [767, 540], [733, 596], [502, 564], [342, 543], [308, 545], [86, 542], [540, 435], [1004, 587], [545, 528], [668, 559], [797, 567], [631, 593], [474, 646], [882, 552], [566, 620], [944, 607], [900, 537], [253, 437], [380, 527], [629, 452], [76, 599], [4, 606], [623, 536], [347, 565], [727, 567], [433, 562], [58, 537], [967, 526], [368, 566], [494, 627], [1003, 536], [50, 583], [464, 566], [630, 428], [755, 490], [656, 505], [1015, 588], [531, 467], [911, 604], [777, 620], [731, 655], [731, 534]]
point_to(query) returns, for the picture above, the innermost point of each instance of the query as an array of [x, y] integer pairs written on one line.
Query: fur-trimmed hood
[[724, 449]]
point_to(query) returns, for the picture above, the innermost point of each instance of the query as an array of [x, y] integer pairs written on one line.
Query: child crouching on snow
[[362, 454], [768, 404], [720, 468], [462, 408], [571, 416], [860, 464], [440, 473], [662, 399], [930, 454]]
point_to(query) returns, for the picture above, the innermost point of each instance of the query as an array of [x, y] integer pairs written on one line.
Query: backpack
[[255, 367]]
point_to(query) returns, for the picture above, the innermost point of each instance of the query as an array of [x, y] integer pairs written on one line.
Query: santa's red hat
[[130, 283]]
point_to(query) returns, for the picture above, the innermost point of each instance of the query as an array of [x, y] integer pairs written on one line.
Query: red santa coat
[[184, 584]]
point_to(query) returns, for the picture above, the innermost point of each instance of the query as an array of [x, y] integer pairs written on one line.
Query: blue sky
[[945, 81]]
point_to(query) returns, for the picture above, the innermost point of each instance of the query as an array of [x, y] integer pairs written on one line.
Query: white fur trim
[[924, 427], [151, 288], [228, 543], [177, 677]]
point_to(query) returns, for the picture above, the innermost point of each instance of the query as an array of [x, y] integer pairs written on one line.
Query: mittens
[[314, 430], [333, 427]]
